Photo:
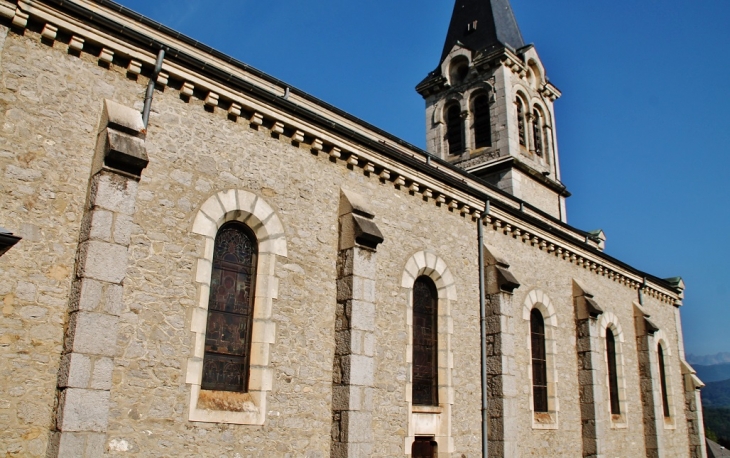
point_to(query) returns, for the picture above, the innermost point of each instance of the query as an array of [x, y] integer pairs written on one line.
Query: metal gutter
[[319, 120]]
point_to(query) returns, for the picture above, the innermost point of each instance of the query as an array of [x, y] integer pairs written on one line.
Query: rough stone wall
[[45, 159], [50, 104]]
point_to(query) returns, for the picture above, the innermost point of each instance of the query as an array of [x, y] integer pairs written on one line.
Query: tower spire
[[489, 106], [483, 25]]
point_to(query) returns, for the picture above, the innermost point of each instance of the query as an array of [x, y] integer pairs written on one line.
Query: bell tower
[[489, 106]]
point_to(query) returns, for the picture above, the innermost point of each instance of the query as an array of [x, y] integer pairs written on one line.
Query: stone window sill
[[619, 421], [544, 420]]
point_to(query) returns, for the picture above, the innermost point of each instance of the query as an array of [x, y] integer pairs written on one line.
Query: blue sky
[[643, 125]]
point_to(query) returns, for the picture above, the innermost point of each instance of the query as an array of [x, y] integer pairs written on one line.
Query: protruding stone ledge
[[76, 43], [187, 89], [212, 100], [20, 19], [134, 67], [49, 32], [162, 78], [106, 55], [121, 140]]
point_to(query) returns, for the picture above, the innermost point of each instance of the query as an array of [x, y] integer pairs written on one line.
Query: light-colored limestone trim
[[431, 421], [537, 299], [660, 338], [260, 217], [610, 320]]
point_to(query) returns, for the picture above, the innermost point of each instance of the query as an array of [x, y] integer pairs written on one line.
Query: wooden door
[[423, 447]]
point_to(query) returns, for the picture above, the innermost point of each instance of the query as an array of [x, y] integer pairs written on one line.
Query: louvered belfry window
[[454, 130], [663, 381], [482, 122], [521, 122], [537, 132], [539, 366], [612, 373], [425, 343], [230, 309]]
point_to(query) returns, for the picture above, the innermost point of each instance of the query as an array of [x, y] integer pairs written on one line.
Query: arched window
[[539, 365], [423, 447], [458, 70], [537, 132], [663, 381], [454, 130], [521, 122], [230, 310], [482, 122], [425, 342], [612, 372]]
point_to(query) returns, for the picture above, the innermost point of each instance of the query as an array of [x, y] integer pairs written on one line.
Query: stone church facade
[[203, 261]]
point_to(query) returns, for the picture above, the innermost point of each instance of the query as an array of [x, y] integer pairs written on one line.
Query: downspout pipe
[[641, 292], [151, 88], [483, 329]]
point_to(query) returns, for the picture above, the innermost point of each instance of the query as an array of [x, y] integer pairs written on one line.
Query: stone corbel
[[20, 19], [49, 32], [212, 99], [234, 110], [106, 55], [585, 306], [644, 325], [691, 381], [679, 287], [357, 225], [121, 141], [499, 278]]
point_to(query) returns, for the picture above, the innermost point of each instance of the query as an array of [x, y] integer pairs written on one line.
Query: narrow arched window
[[537, 132], [521, 122], [539, 364], [663, 381], [612, 373], [425, 342], [482, 122], [454, 130], [230, 309]]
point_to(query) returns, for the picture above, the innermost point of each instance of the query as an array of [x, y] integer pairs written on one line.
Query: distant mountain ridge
[[714, 373], [709, 360]]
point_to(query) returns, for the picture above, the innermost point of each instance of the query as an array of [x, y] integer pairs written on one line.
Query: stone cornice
[[510, 162], [345, 141]]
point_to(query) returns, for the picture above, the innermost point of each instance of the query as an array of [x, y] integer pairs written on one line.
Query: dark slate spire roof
[[496, 26]]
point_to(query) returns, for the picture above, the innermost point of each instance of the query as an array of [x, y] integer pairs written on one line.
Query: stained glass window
[[612, 374], [482, 122], [454, 130], [425, 342], [663, 381], [230, 309], [539, 366]]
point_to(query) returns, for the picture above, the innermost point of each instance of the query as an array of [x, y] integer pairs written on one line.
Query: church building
[[203, 261]]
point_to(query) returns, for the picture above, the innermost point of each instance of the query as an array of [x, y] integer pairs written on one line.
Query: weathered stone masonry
[[353, 375], [222, 151], [85, 375]]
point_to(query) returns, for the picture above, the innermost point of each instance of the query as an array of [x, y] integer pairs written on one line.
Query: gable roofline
[[442, 171]]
